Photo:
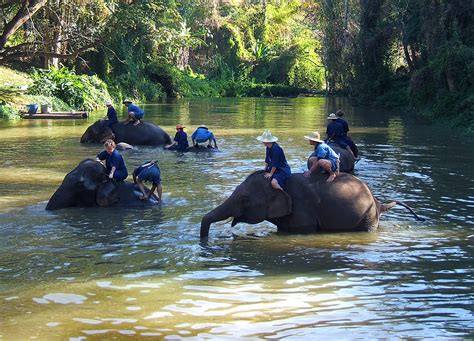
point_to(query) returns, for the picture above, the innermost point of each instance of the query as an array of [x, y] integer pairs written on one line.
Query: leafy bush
[[77, 91], [8, 112]]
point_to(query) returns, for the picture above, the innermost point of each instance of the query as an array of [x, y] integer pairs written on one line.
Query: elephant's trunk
[[220, 213], [62, 198]]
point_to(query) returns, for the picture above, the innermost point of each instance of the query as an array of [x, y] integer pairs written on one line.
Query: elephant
[[88, 185], [346, 161], [145, 133], [307, 205]]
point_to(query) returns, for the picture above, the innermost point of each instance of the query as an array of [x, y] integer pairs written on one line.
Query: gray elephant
[[145, 133], [308, 205], [89, 186]]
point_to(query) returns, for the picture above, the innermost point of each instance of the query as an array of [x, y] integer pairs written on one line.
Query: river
[[81, 274]]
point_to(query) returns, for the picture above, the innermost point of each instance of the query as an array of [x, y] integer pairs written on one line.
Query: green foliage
[[77, 91], [8, 112]]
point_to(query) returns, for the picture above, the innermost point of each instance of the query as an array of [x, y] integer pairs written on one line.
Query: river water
[[117, 273]]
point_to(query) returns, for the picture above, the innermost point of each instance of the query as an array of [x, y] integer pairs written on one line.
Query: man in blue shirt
[[323, 157], [180, 142], [114, 164], [203, 134], [111, 114], [345, 130], [135, 113], [276, 167], [149, 171], [335, 133]]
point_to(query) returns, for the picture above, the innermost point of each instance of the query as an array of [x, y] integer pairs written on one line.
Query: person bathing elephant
[[312, 205], [146, 133], [88, 185]]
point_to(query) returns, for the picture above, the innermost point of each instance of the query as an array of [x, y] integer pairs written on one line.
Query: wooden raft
[[57, 115]]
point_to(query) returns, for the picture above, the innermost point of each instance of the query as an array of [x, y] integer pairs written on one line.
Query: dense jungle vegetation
[[415, 54]]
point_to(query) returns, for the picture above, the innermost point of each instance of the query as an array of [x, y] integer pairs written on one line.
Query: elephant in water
[[89, 186], [145, 133], [308, 205]]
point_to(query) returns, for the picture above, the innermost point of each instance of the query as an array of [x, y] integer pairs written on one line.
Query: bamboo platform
[[60, 115]]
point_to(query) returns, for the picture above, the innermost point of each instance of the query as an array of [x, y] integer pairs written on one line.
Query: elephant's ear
[[279, 204]]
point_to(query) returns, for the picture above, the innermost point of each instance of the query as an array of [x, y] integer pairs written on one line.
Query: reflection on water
[[113, 273]]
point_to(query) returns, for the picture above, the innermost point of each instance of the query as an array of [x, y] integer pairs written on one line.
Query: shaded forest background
[[415, 54]]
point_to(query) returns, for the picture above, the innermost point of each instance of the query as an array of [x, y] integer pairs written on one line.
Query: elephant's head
[[80, 186], [98, 133], [253, 201]]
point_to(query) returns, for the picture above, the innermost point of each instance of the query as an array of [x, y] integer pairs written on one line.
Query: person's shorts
[[120, 175], [138, 115], [281, 177], [151, 174]]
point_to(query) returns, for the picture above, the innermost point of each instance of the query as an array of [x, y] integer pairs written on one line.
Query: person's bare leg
[[326, 165], [276, 185]]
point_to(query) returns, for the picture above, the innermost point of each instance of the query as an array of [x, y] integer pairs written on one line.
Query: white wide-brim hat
[[314, 136], [267, 137], [108, 102], [332, 117]]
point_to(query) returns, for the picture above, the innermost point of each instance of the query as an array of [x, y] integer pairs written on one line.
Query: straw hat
[[314, 136], [180, 126], [267, 137], [126, 101], [108, 103], [332, 117]]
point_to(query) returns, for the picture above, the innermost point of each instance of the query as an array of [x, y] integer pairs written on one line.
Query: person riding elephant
[[111, 114], [88, 185], [135, 113], [146, 133], [114, 163], [201, 135], [334, 132], [180, 141], [345, 130], [323, 157], [346, 204]]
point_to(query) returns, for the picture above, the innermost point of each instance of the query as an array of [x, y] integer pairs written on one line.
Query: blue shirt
[[202, 134], [344, 125], [182, 139], [275, 157], [113, 160], [334, 129], [112, 114], [139, 113], [148, 172], [323, 151]]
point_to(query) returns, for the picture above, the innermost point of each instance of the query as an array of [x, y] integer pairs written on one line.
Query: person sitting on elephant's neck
[[111, 114], [148, 171], [135, 113], [342, 122], [345, 130], [335, 132], [114, 164], [203, 134], [180, 142], [276, 167], [323, 157]]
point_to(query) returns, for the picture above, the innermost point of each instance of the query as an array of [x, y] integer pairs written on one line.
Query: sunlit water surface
[[114, 273]]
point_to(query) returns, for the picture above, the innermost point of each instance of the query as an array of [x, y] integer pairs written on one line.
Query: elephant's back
[[144, 133], [346, 204]]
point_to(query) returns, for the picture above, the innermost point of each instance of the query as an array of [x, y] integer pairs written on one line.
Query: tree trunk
[[27, 10]]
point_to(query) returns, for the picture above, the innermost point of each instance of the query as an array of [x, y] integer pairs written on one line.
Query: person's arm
[[112, 171], [142, 189], [270, 174]]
